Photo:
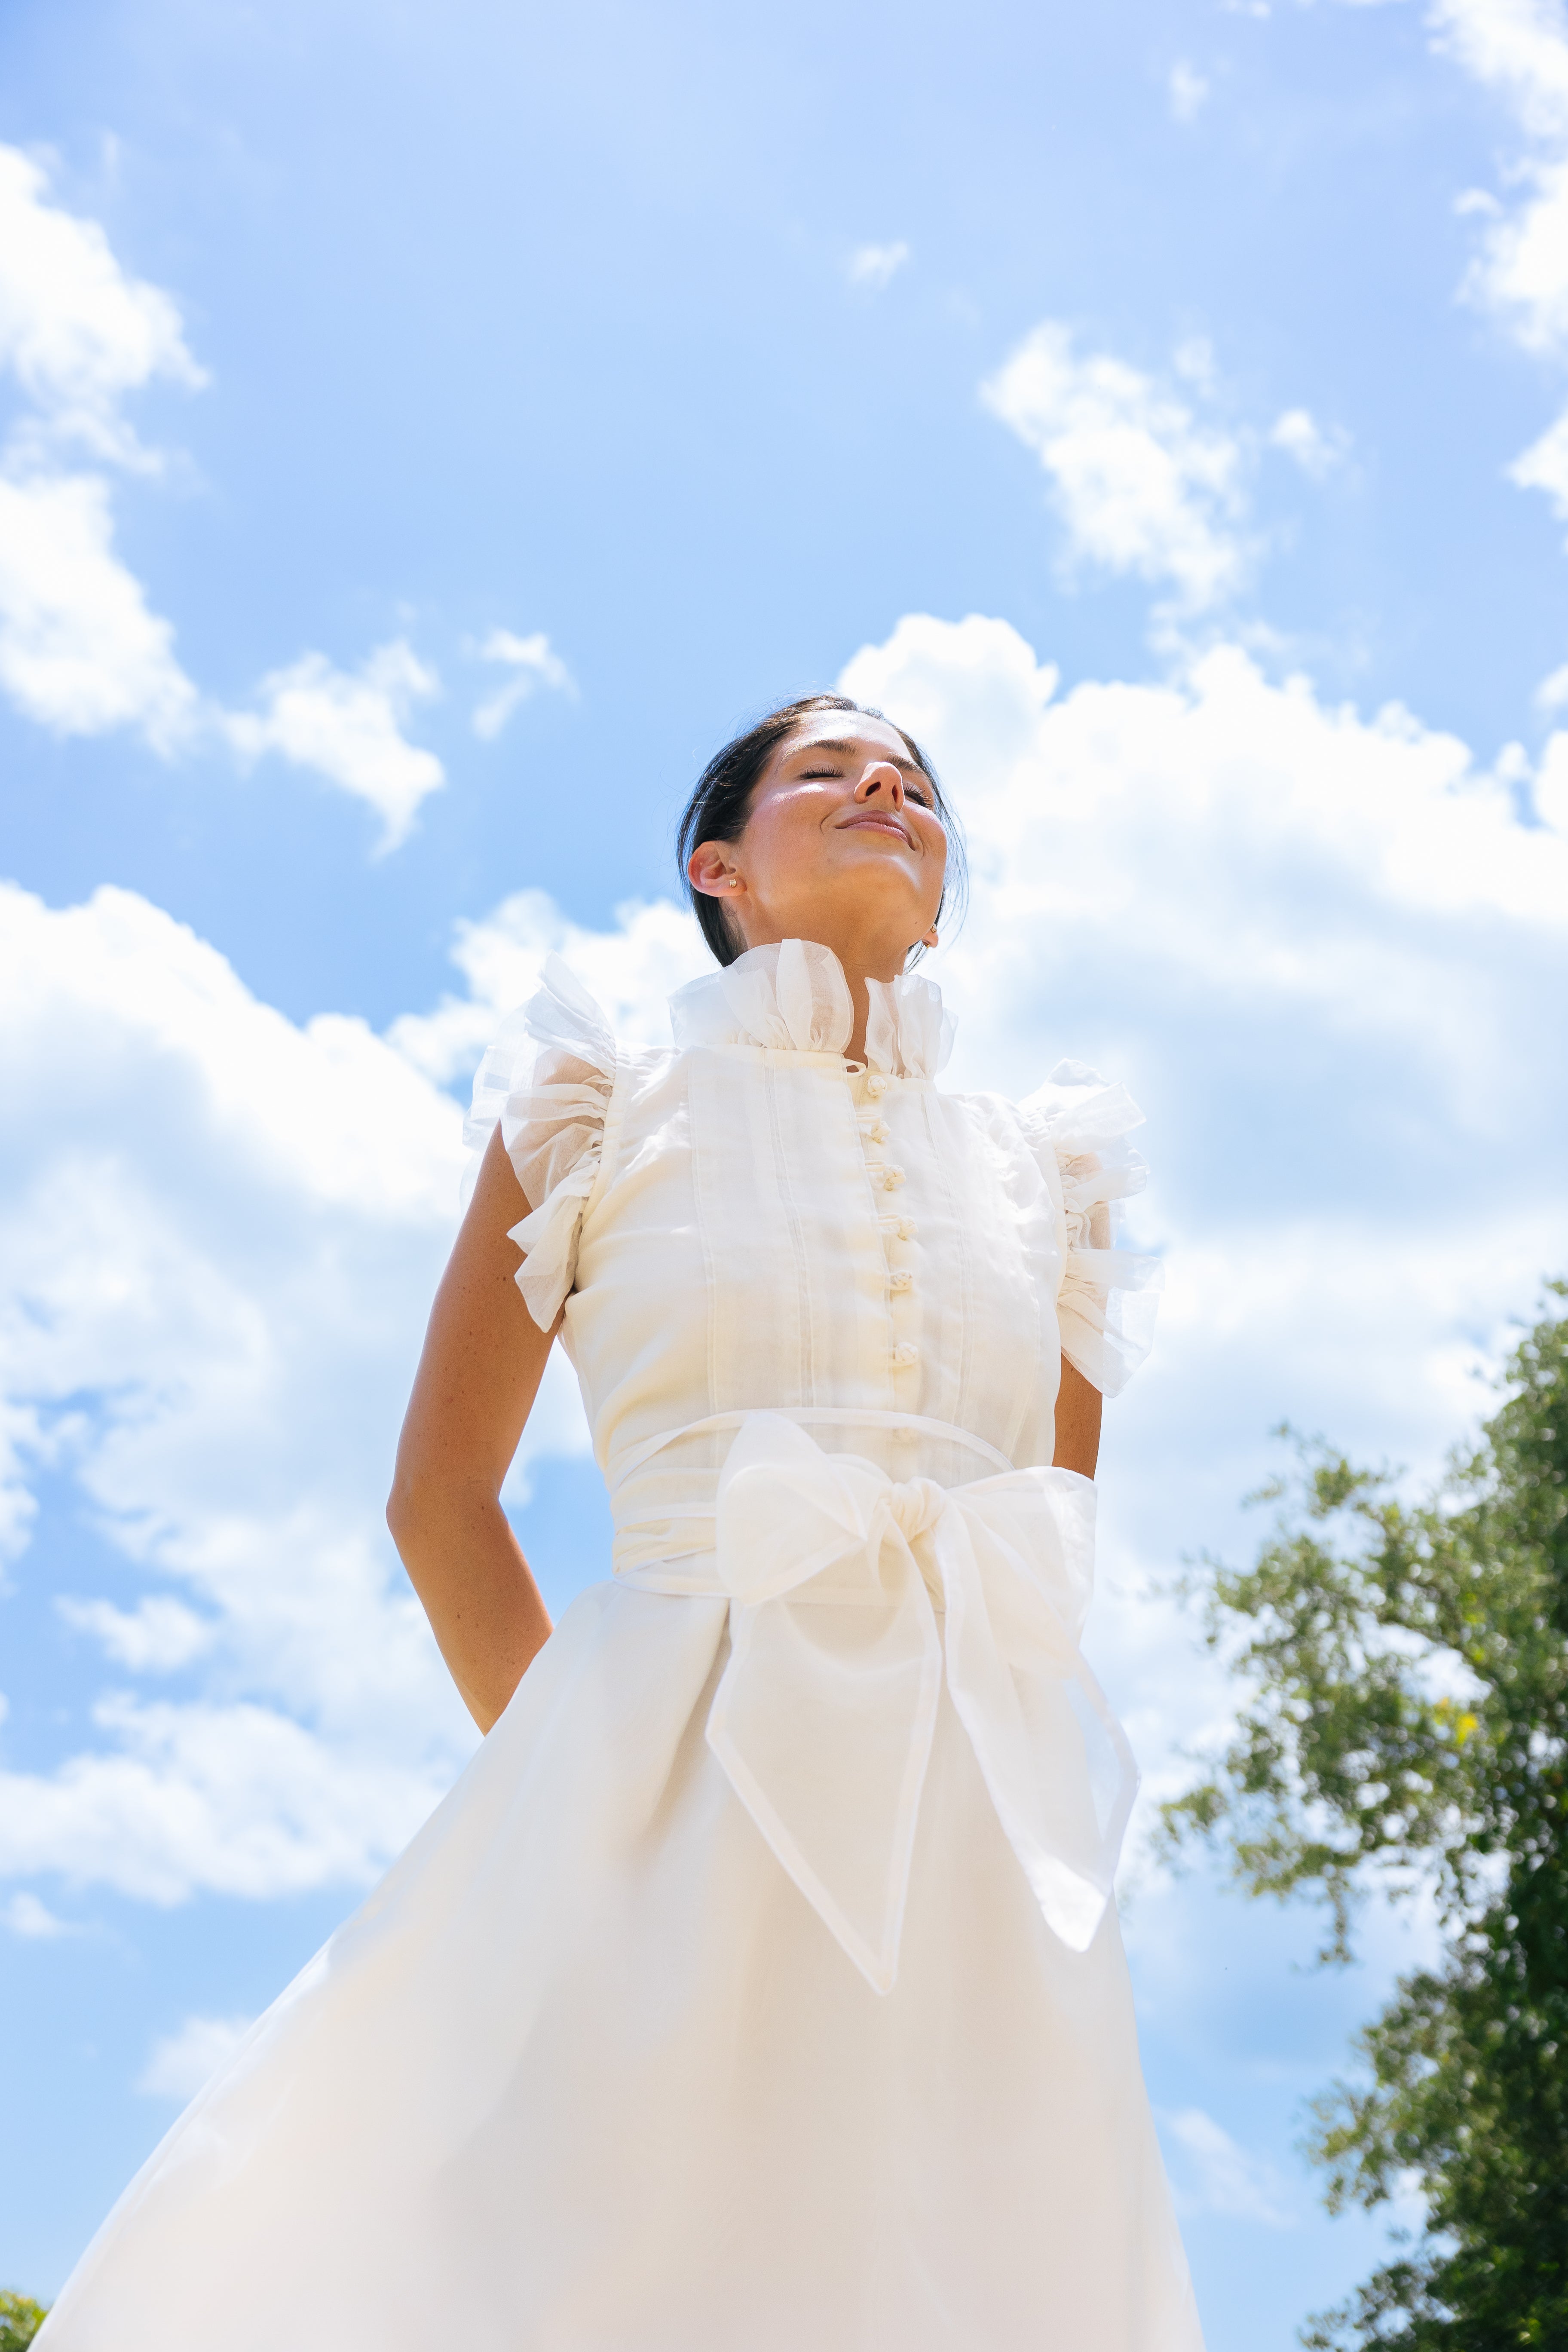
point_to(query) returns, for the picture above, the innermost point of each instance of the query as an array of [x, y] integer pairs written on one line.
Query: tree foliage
[[1406, 1726], [19, 2321]]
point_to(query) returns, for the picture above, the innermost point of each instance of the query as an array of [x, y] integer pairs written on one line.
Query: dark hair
[[721, 802]]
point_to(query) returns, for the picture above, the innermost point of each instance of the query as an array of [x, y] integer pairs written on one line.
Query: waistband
[[666, 1511]]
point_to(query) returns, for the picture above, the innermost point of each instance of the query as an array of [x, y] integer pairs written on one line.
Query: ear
[[932, 938], [709, 870]]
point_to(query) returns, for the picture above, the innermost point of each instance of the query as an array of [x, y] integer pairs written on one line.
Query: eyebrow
[[848, 745]]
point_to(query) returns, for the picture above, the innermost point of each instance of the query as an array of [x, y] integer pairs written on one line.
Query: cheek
[[783, 840]]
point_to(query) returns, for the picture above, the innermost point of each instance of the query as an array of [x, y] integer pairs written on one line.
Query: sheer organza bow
[[825, 1714]]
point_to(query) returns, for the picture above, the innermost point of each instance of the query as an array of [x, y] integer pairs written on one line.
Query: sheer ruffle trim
[[794, 998], [547, 1081], [908, 1030], [1109, 1296]]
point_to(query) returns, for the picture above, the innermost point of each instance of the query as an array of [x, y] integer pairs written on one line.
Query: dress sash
[[850, 1594]]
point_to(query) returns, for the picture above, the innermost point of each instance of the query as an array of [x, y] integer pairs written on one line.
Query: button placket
[[888, 1176]]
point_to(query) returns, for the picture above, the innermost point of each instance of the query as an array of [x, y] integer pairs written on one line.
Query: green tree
[[1406, 1724], [19, 2321]]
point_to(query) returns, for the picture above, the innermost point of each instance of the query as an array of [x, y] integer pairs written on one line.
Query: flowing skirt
[[587, 2074]]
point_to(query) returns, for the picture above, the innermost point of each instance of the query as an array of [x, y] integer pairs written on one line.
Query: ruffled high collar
[[794, 998]]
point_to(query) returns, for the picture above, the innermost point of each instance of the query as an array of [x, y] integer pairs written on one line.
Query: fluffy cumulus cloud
[[33, 1921], [348, 728], [83, 651], [1318, 451], [221, 1233], [1319, 945], [77, 333], [653, 950], [180, 2063], [533, 663], [1520, 49], [1142, 484], [80, 649]]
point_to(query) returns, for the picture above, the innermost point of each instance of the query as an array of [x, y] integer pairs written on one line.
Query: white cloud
[[1520, 49], [1552, 775], [82, 650], [1298, 433], [78, 333], [876, 265], [1141, 486], [80, 653], [184, 2063], [1186, 90], [221, 1233], [532, 664], [235, 1797], [1220, 2175], [159, 1636], [1544, 466], [653, 950], [33, 1921], [348, 728]]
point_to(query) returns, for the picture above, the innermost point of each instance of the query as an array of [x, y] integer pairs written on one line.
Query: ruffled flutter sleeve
[[547, 1081], [1107, 1302]]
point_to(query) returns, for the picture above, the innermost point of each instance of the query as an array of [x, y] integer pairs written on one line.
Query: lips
[[880, 824]]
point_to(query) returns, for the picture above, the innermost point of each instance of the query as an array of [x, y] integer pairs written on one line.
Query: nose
[[882, 777]]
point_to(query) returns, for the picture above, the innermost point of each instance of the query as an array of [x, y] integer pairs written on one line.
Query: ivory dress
[[757, 1988]]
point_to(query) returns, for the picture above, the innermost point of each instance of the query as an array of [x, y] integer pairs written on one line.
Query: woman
[[757, 1989]]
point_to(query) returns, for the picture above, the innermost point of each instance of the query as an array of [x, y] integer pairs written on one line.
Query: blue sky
[[424, 434]]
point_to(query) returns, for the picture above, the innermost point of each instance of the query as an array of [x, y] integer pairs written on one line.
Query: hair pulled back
[[722, 802]]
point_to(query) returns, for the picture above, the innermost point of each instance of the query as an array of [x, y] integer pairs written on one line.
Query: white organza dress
[[757, 1988]]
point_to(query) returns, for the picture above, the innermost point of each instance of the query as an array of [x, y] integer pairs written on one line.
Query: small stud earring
[[733, 880]]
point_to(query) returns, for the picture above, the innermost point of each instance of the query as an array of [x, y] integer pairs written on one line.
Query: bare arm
[[484, 1358], [1079, 1407]]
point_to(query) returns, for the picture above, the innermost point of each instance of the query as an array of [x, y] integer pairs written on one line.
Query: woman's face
[[843, 845]]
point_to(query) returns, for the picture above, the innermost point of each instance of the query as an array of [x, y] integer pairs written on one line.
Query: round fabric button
[[892, 1178], [904, 1355], [902, 1280]]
